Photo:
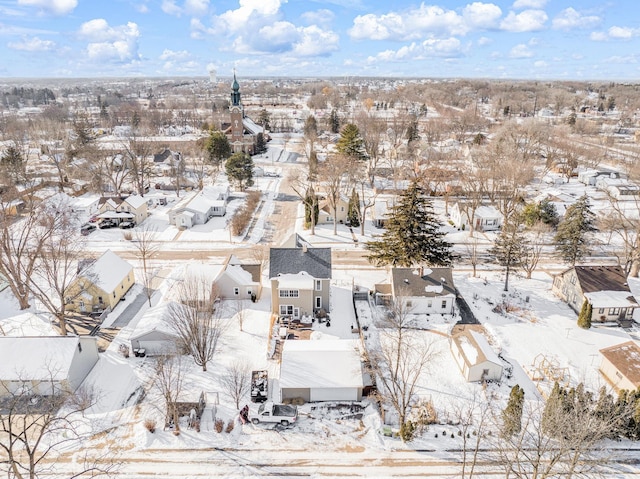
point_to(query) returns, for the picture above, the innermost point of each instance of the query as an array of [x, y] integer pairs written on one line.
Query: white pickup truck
[[270, 412]]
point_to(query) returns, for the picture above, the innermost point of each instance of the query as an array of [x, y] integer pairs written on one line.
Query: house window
[[618, 375], [444, 304], [286, 310], [289, 293], [614, 311], [601, 311], [114, 294], [573, 280], [429, 304], [236, 291], [318, 302], [67, 300], [318, 285], [100, 299], [249, 293]]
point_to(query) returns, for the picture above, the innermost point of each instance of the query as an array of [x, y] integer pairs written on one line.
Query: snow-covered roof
[[485, 348], [157, 318], [474, 346], [199, 204], [626, 358], [611, 299], [302, 280], [36, 358], [250, 125], [238, 274], [108, 271], [136, 201], [330, 363], [487, 212]]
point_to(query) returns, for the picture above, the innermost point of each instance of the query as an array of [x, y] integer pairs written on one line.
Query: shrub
[[243, 215], [150, 425], [219, 425], [407, 431], [230, 425], [128, 235]]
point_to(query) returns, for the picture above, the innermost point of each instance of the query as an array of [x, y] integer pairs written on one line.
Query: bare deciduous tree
[[169, 380], [236, 381], [146, 247], [35, 426], [196, 320]]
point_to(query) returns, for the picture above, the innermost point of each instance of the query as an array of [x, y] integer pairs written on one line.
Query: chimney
[[304, 247]]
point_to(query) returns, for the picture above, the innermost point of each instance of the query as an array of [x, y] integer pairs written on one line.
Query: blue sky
[[522, 39]]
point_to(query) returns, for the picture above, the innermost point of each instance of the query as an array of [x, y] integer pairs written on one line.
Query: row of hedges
[[243, 215]]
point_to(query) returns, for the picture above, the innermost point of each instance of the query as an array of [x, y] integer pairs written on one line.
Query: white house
[[473, 354], [617, 188], [238, 281], [321, 370], [45, 365], [485, 218], [200, 207], [154, 332]]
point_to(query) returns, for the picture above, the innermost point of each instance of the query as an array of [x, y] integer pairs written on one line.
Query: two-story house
[[300, 280], [604, 287]]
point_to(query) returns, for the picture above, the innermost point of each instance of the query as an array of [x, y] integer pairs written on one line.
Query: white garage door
[[156, 348], [334, 394]]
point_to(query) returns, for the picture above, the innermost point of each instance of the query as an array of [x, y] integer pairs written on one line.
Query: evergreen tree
[[548, 212], [311, 204], [218, 147], [261, 147], [573, 231], [353, 213], [584, 318], [512, 414], [510, 247], [264, 119], [239, 168], [13, 165], [313, 164], [334, 122], [413, 234], [351, 144]]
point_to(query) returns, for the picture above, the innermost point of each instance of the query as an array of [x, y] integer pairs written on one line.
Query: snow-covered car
[[126, 225], [87, 228], [105, 224]]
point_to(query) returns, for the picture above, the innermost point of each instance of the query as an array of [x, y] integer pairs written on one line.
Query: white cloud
[[322, 17], [249, 12], [520, 51], [484, 41], [118, 43], [617, 33], [520, 4], [189, 7], [526, 21], [540, 64], [442, 48], [569, 18], [174, 55], [34, 44], [314, 41], [57, 7], [426, 19]]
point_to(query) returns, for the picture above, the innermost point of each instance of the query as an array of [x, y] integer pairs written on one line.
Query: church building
[[242, 132]]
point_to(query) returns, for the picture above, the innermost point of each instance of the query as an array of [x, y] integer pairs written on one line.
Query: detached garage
[[154, 333], [321, 370], [473, 354]]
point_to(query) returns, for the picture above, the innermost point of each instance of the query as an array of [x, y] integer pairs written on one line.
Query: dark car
[[126, 225], [104, 224], [87, 228]]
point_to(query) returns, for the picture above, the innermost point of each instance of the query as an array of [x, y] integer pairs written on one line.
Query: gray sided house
[[604, 287], [154, 333], [300, 280], [423, 290], [45, 365]]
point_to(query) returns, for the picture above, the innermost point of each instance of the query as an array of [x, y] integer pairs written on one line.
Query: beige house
[[621, 365], [101, 285], [604, 287], [45, 365], [132, 208], [326, 214], [238, 280], [300, 281], [473, 354]]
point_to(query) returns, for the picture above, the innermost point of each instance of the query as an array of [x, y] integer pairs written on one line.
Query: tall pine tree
[[353, 213], [512, 414], [510, 247], [572, 237], [351, 144], [413, 234]]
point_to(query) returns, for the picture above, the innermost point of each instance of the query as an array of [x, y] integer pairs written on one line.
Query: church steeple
[[235, 91]]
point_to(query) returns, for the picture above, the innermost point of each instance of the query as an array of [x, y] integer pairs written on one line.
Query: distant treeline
[[20, 97]]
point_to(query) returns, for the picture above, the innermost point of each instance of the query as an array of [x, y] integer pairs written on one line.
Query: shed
[[321, 370], [621, 365], [473, 354]]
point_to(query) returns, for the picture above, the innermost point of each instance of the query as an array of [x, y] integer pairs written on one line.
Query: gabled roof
[[113, 201], [315, 261], [158, 318], [474, 346], [626, 359], [135, 201], [601, 278], [36, 358], [422, 282], [107, 271]]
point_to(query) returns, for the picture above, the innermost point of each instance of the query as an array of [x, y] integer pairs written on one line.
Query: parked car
[[285, 414], [87, 228], [259, 386], [104, 224], [126, 225]]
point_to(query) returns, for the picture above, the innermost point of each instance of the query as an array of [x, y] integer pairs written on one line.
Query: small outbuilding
[[154, 334], [321, 370], [621, 365], [473, 354]]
